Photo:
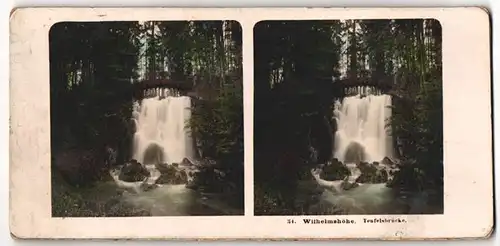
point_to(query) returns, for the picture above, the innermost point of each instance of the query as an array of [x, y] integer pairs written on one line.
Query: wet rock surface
[[171, 174], [372, 173], [133, 171], [355, 174], [334, 170]]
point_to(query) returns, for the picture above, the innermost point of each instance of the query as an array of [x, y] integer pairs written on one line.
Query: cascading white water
[[361, 126], [161, 135]]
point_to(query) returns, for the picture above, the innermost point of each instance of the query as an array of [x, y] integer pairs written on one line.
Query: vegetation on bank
[[93, 68], [299, 66], [71, 201]]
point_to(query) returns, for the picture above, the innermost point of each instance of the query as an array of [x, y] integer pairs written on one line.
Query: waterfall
[[361, 126], [161, 135]]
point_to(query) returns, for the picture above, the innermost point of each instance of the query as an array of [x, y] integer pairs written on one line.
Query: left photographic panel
[[146, 118]]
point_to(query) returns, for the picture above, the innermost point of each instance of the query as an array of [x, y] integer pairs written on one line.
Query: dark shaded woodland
[[94, 69], [301, 68]]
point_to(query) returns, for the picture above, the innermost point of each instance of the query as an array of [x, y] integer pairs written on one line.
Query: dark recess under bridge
[[384, 84], [149, 87]]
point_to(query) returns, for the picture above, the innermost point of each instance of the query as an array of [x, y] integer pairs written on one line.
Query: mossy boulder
[[186, 162], [346, 185], [163, 167], [208, 180], [335, 170], [408, 178], [148, 187], [387, 161], [372, 173], [133, 171], [171, 175]]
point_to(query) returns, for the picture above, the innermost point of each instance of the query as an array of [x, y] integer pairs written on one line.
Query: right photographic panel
[[348, 117]]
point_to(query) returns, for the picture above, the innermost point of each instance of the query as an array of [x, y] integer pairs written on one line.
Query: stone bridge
[[347, 85], [156, 87]]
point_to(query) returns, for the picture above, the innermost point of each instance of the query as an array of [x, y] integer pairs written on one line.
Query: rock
[[133, 171], [162, 167], [111, 156], [192, 185], [387, 161], [335, 171], [186, 162], [148, 187], [346, 185], [370, 174], [381, 176], [182, 174], [366, 167], [207, 180], [362, 165], [207, 162], [219, 173], [314, 155], [407, 177], [172, 176], [364, 178]]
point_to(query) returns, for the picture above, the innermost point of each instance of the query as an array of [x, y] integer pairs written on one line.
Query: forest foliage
[[91, 69], [300, 70]]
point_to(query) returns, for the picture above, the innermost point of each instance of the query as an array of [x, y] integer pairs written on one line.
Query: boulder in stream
[[371, 173], [163, 167], [387, 161], [148, 187], [336, 170], [407, 177], [207, 180], [133, 171], [186, 162], [346, 185], [381, 176], [172, 175]]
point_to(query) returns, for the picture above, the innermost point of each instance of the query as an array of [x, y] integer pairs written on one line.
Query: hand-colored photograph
[[348, 117], [146, 118]]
